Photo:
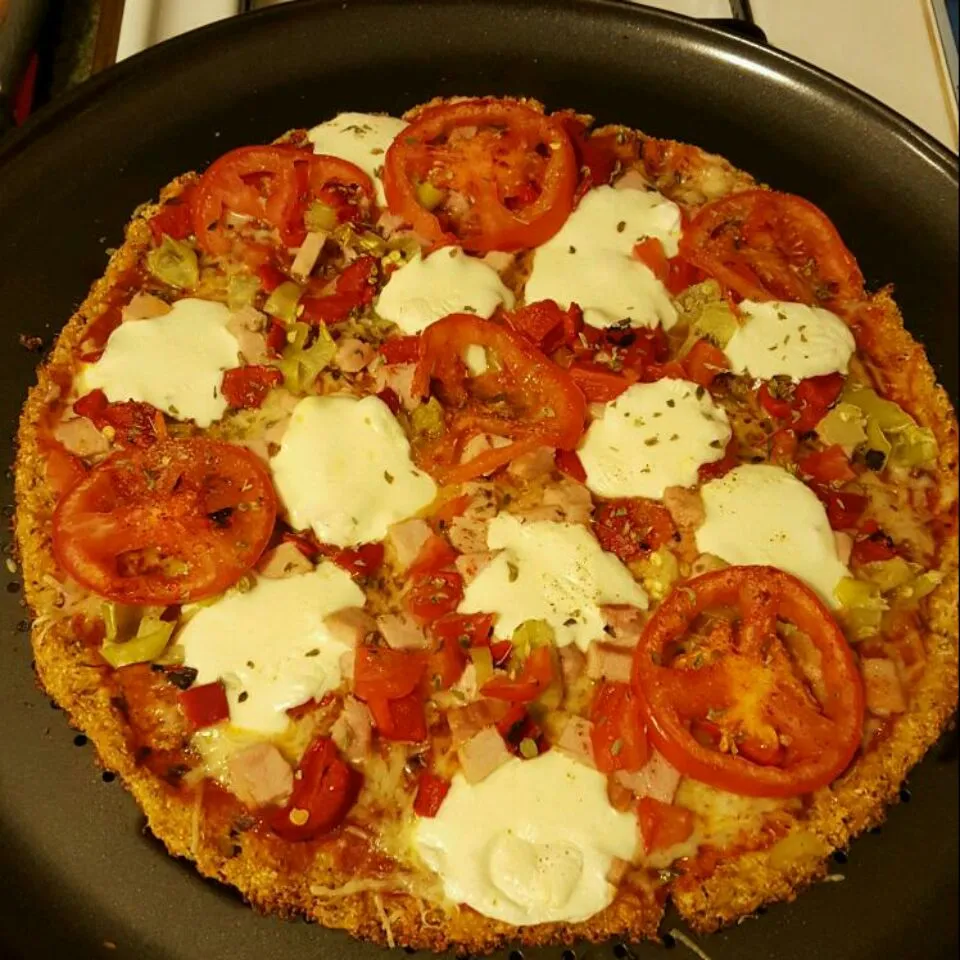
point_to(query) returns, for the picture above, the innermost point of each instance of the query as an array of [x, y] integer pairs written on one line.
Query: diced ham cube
[[564, 502], [284, 560], [685, 506], [402, 632], [844, 544], [80, 437], [632, 180], [499, 260], [406, 538], [657, 778], [882, 687], [258, 775], [623, 626], [480, 444], [468, 534], [470, 564], [353, 355], [467, 686], [469, 720], [247, 325], [482, 754], [608, 663], [399, 378], [144, 306], [352, 730], [350, 626], [575, 740], [572, 664], [533, 465], [307, 255]]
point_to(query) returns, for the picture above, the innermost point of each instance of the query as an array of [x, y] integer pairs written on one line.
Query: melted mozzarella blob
[[361, 138], [532, 843], [590, 262], [344, 470], [549, 571], [174, 362], [425, 290], [762, 515], [270, 645], [789, 340], [653, 436]]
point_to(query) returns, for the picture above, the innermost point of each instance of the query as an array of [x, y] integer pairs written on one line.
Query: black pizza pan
[[80, 878]]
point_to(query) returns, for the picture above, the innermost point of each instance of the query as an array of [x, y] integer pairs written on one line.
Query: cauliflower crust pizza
[[478, 528]]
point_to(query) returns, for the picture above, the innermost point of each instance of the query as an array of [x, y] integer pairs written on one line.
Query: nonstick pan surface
[[80, 877]]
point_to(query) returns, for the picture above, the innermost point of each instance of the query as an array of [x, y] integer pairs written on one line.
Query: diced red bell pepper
[[175, 217], [464, 629], [873, 548], [400, 349], [358, 561], [205, 705], [829, 465], [599, 384], [663, 824], [431, 595], [704, 363], [435, 554], [247, 387], [400, 719], [651, 254], [431, 792], [535, 676], [569, 463], [381, 673]]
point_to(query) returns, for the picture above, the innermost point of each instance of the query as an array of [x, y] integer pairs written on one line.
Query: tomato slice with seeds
[[696, 664], [618, 734], [765, 245], [175, 522], [633, 527], [324, 790], [524, 397], [486, 174], [270, 184]]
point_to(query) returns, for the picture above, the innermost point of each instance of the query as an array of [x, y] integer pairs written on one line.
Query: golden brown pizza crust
[[200, 823]]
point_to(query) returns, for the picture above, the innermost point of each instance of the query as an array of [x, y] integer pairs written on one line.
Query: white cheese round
[[532, 843], [270, 645], [344, 470], [762, 515], [789, 340], [653, 436], [174, 362], [361, 138], [590, 261], [549, 571], [425, 290]]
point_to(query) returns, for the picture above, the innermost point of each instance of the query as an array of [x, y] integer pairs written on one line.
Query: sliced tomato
[[695, 666], [633, 527], [134, 423], [247, 387], [704, 363], [324, 790], [525, 397], [385, 674], [597, 155], [772, 246], [435, 554], [400, 350], [464, 629], [402, 719], [663, 825], [872, 548], [61, 469], [503, 175], [599, 384], [204, 705], [570, 464], [175, 522], [829, 465], [175, 218], [361, 561], [535, 676], [271, 185], [618, 734], [432, 595], [545, 325], [651, 254], [354, 288], [431, 792]]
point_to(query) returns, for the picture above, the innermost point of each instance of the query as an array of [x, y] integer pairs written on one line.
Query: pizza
[[481, 528]]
